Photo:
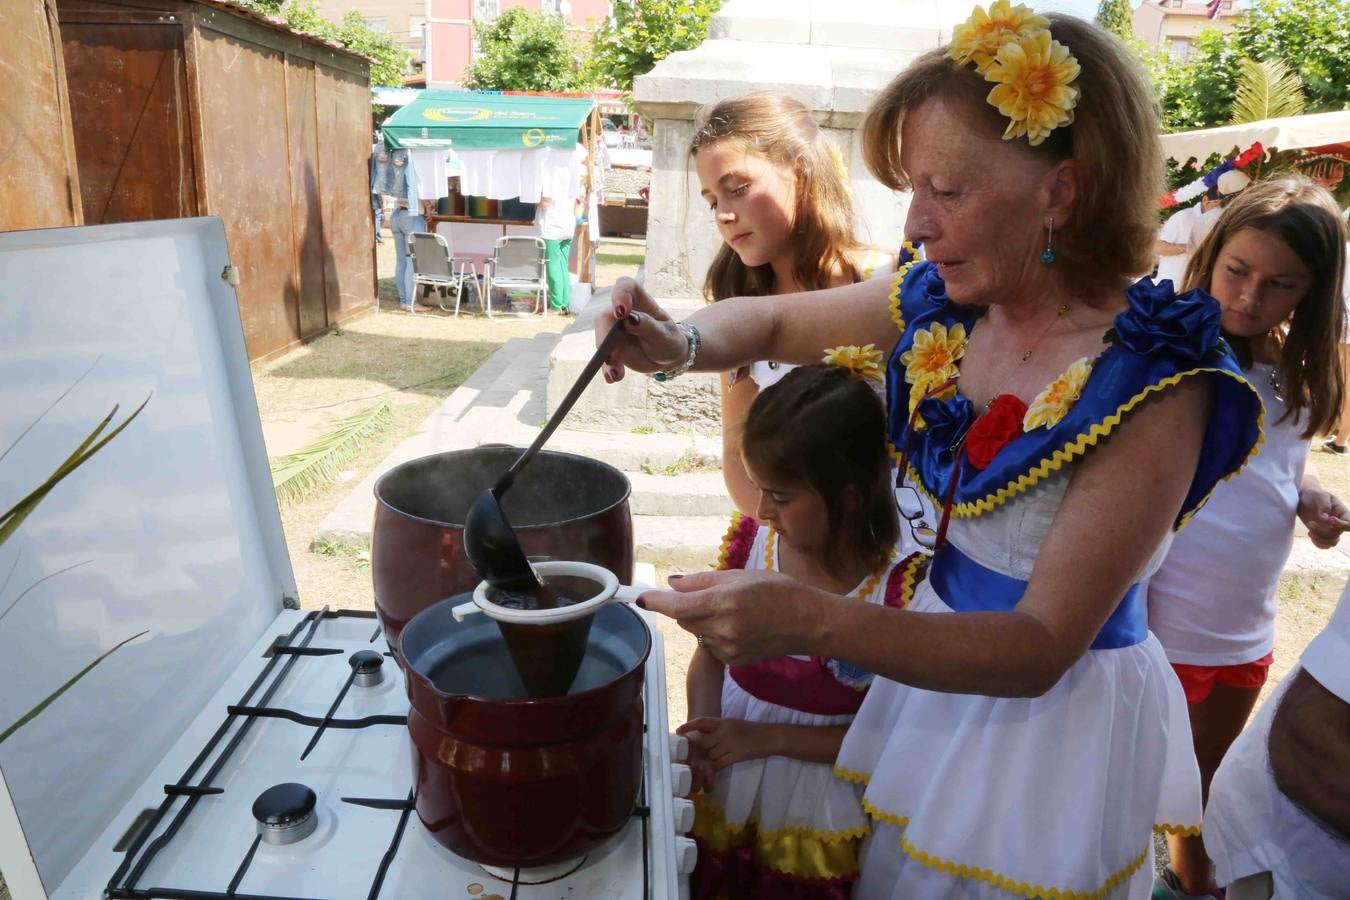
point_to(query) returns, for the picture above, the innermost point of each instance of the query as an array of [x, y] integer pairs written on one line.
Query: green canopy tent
[[480, 121]]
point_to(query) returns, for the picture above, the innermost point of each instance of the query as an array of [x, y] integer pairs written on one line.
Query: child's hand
[[701, 768], [1324, 515], [727, 741]]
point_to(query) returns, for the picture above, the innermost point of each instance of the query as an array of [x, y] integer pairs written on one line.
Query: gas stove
[[239, 746], [295, 781]]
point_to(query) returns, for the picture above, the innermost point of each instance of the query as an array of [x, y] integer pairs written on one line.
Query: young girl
[[1274, 262], [780, 196], [773, 820]]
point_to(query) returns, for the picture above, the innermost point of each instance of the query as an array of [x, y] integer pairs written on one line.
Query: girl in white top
[[779, 193], [1274, 262]]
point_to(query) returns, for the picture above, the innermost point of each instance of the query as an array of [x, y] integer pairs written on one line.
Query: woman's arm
[[1119, 506], [791, 328], [736, 400], [1310, 752]]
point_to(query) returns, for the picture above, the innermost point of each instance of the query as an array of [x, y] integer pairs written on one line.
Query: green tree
[[1312, 37], [525, 50], [640, 33], [388, 60], [1116, 17]]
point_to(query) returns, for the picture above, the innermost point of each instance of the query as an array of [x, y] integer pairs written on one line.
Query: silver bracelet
[[695, 345]]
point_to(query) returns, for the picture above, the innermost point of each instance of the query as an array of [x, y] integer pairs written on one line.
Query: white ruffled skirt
[[1052, 796]]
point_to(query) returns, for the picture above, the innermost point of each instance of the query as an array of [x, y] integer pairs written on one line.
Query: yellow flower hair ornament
[[837, 157], [863, 362], [1033, 74]]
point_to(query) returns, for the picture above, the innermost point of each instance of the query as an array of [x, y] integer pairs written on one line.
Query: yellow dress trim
[[1179, 830], [850, 775], [880, 815], [793, 850], [1021, 888], [897, 281], [1079, 446], [725, 550], [909, 581]]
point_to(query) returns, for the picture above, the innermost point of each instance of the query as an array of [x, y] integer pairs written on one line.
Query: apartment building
[[1175, 23]]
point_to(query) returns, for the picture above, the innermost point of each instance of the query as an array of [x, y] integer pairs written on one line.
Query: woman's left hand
[[741, 616], [1325, 516], [725, 741]]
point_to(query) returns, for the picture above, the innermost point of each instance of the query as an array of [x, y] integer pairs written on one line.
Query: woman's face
[[752, 199], [1258, 280], [976, 204]]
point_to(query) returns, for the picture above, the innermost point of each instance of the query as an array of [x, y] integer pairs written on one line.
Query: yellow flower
[[864, 362], [837, 157], [979, 38], [1058, 397], [1034, 89], [933, 357]]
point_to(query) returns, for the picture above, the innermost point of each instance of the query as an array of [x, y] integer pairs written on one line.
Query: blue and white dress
[[1053, 796]]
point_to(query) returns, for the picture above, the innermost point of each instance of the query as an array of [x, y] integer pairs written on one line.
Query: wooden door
[[307, 224]]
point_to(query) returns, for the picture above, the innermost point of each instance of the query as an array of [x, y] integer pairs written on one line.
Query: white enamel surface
[[339, 860], [171, 528]]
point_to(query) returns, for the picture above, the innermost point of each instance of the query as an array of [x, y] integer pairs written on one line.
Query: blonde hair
[[1305, 217], [1113, 142], [781, 130]]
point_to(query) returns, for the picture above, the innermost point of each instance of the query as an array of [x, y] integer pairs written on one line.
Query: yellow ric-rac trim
[[793, 850], [909, 579], [1021, 888], [880, 815], [770, 540], [1179, 830], [850, 775], [1079, 445], [897, 316], [725, 550]]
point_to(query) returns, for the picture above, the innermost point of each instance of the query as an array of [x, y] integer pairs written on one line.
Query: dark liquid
[[548, 656], [484, 669]]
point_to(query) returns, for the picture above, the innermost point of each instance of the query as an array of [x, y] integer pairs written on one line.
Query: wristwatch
[[695, 345]]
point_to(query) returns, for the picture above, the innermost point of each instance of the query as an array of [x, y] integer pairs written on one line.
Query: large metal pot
[[562, 506], [508, 781]]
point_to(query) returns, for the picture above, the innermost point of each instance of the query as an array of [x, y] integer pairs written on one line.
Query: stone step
[[690, 494], [654, 453], [686, 543]]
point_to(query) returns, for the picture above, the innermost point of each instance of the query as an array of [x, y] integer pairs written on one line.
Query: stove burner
[[367, 666], [285, 813]]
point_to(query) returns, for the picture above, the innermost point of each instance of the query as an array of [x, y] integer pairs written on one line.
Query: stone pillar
[[833, 55]]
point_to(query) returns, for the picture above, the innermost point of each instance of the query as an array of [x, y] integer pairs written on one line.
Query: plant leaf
[[320, 463], [50, 407], [1268, 89], [36, 583], [51, 698]]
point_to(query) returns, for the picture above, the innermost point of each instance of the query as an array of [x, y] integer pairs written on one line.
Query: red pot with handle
[[562, 506]]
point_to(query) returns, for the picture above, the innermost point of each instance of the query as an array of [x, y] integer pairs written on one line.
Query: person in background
[[556, 216], [376, 202], [1182, 233], [1274, 262], [1339, 442], [1278, 820], [392, 174]]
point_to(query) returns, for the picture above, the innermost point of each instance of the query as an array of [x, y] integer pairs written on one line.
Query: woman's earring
[[1049, 255]]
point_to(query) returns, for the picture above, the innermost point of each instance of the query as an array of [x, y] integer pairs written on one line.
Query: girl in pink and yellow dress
[[773, 820]]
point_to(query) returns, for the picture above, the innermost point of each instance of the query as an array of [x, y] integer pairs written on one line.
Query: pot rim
[[605, 580], [380, 501], [523, 702]]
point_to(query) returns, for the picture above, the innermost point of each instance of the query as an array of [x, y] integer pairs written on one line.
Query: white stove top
[[204, 846]]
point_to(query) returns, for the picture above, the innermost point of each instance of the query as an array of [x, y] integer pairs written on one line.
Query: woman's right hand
[[654, 342]]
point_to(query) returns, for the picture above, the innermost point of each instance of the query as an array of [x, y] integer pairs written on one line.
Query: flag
[[1212, 8]]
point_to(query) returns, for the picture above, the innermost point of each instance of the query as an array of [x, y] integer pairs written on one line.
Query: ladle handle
[[596, 361]]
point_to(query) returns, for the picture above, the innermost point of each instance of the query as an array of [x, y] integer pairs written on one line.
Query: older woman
[[1025, 733]]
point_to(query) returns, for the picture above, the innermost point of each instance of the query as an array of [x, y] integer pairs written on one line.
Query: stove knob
[[679, 748], [686, 856], [684, 815], [681, 780]]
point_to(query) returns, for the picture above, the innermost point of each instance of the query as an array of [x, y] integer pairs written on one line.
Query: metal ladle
[[489, 541]]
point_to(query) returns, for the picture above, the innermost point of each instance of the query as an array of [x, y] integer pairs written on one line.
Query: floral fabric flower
[[933, 357], [864, 362], [1160, 321], [978, 39], [946, 422], [1034, 77], [1001, 423], [1058, 397]]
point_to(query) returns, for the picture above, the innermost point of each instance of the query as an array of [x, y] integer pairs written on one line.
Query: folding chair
[[436, 267], [517, 266]]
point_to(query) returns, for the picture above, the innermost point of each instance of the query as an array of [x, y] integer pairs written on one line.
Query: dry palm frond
[[1268, 89], [299, 474]]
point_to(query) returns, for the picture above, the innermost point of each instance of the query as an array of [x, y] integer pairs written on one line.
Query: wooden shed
[[201, 108]]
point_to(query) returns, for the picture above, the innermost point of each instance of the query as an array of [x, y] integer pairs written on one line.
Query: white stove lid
[[172, 528]]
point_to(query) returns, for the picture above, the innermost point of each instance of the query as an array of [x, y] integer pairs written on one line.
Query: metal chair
[[517, 265], [435, 267]]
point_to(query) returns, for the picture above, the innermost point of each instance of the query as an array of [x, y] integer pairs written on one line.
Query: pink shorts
[[1198, 681]]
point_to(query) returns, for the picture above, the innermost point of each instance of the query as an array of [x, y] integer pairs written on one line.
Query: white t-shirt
[[1250, 825], [1212, 603], [563, 187], [1187, 227]]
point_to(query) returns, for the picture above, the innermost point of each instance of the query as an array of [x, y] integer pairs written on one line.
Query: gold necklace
[[1059, 314]]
